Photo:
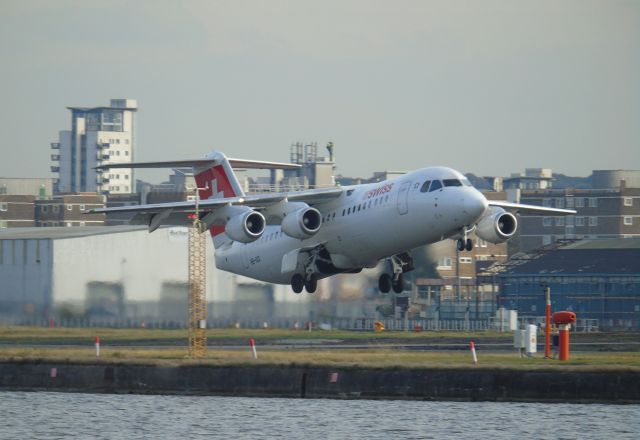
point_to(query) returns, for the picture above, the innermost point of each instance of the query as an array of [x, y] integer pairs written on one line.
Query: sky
[[488, 87]]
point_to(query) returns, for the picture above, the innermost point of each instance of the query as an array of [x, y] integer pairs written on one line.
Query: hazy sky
[[488, 87]]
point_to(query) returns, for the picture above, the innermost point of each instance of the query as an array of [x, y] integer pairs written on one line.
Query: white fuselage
[[365, 224]]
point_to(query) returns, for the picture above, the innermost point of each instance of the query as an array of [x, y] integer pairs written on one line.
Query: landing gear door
[[290, 261], [403, 198]]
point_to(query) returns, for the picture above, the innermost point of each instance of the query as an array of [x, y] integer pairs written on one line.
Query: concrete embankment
[[317, 382]]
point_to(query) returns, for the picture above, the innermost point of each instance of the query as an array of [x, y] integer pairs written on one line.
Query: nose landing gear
[[464, 244]]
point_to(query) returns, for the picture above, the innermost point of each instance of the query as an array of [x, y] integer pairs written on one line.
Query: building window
[[547, 221], [4, 206], [480, 242], [444, 263], [546, 239], [579, 221], [559, 221], [593, 202], [44, 209], [81, 207], [570, 202], [55, 209], [569, 221], [546, 203], [466, 260], [628, 220], [593, 221], [579, 202], [628, 201], [69, 207], [126, 153], [559, 203]]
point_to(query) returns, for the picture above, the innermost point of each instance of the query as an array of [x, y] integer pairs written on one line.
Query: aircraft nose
[[475, 203]]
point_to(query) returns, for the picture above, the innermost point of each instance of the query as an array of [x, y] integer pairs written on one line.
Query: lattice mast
[[197, 287]]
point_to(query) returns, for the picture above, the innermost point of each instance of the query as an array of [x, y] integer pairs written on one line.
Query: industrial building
[[98, 135], [599, 280], [605, 212], [123, 274]]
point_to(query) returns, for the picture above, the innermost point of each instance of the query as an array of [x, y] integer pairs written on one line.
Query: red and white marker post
[[472, 346], [252, 343], [97, 346], [547, 326]]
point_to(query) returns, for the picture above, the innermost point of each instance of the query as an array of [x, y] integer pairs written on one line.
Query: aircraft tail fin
[[217, 180], [214, 176]]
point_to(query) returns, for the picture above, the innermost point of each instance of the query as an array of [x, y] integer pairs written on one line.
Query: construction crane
[[197, 304]]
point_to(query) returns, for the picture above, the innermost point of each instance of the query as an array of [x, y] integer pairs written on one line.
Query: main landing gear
[[395, 280], [299, 282]]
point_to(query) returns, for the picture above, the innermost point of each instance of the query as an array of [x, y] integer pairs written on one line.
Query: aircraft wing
[[177, 213], [530, 208]]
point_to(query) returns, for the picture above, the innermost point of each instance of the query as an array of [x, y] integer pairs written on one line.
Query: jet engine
[[497, 227], [245, 227], [302, 223]]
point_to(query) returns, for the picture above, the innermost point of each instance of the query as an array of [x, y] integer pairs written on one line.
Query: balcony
[[55, 169], [55, 145], [103, 146], [103, 180], [55, 157]]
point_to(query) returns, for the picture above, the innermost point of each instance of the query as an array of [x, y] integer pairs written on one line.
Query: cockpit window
[[452, 182], [466, 182], [425, 186], [436, 184]]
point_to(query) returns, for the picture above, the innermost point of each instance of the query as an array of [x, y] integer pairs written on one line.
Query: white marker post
[[252, 343], [97, 346], [472, 346]]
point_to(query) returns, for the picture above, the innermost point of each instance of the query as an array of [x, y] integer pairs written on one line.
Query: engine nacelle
[[497, 227], [302, 223], [245, 227]]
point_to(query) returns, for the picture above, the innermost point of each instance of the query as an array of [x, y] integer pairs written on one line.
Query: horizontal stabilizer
[[203, 163]]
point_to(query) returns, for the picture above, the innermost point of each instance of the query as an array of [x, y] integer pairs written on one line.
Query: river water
[[37, 415]]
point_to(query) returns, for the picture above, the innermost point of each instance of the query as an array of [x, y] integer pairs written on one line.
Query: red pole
[[564, 342], [547, 330]]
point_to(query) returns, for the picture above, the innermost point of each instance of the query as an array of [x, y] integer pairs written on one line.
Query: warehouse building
[[122, 273], [596, 279]]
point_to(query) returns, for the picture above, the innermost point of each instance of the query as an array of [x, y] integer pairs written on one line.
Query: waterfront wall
[[314, 382]]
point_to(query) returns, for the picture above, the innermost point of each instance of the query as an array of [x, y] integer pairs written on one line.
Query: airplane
[[298, 238]]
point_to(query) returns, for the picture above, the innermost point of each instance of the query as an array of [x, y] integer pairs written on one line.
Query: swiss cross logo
[[215, 183]]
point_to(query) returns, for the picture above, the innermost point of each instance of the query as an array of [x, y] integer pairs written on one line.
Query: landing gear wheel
[[460, 244], [297, 283], [398, 285], [311, 283], [384, 283], [469, 245]]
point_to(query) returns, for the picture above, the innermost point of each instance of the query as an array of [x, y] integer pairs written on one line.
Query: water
[[27, 415]]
